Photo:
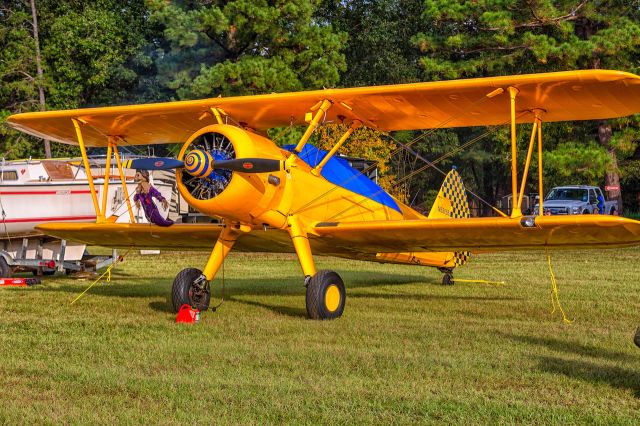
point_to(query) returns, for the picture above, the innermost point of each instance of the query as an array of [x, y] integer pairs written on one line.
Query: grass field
[[407, 349]]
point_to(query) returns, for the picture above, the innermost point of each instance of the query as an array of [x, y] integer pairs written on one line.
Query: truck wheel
[[5, 270]]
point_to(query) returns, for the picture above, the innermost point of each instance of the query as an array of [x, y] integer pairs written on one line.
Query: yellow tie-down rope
[[554, 295], [107, 272]]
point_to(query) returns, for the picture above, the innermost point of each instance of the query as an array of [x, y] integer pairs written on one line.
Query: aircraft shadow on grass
[[301, 312], [593, 371], [285, 286]]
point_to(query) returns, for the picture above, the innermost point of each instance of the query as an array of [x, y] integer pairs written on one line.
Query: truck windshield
[[576, 194]]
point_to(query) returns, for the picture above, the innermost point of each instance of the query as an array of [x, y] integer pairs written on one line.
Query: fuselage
[[337, 193]]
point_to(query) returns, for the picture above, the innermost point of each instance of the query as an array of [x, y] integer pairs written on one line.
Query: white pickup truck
[[576, 199]]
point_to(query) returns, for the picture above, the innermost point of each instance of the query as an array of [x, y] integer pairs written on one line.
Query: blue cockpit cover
[[339, 172]]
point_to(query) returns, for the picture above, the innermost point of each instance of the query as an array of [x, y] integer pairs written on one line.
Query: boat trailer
[[30, 257]]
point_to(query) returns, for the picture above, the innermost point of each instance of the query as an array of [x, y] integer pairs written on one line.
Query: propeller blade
[[154, 163], [249, 165]]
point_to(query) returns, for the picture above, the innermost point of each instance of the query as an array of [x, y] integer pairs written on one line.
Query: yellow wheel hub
[[332, 298]]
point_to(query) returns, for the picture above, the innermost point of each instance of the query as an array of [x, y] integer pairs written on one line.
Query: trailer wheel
[[5, 270]]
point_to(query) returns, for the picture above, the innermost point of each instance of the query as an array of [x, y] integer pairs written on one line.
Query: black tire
[[585, 211], [5, 270], [613, 211], [44, 273], [447, 279], [636, 339], [326, 296], [184, 291]]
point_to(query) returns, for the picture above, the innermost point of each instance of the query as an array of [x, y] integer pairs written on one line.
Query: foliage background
[[109, 52]]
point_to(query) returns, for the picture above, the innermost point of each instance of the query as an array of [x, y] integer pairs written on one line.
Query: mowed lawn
[[407, 349]]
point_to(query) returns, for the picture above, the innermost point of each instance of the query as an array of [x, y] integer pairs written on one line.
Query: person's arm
[[155, 193]]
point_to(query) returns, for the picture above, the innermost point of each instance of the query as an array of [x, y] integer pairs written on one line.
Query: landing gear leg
[[326, 294], [447, 278], [191, 285]]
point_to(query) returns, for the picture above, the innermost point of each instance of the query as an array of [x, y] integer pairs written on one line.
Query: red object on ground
[[18, 282], [188, 315], [13, 282]]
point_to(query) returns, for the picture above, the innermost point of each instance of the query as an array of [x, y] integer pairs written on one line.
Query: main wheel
[[5, 270], [186, 290], [326, 296]]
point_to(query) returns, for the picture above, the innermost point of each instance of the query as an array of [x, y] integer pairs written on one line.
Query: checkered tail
[[452, 202]]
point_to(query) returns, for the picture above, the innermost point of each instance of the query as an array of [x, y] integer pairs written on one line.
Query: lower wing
[[356, 239], [489, 233]]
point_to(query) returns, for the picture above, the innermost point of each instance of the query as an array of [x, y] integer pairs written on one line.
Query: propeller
[[200, 163]]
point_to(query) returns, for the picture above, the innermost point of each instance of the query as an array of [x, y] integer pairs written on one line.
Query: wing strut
[[87, 168], [515, 209], [317, 169], [112, 150], [123, 180], [322, 109], [540, 188], [535, 130]]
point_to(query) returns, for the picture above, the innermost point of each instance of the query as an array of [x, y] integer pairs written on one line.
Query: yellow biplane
[[303, 200]]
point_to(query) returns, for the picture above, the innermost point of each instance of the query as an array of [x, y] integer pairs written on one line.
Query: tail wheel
[[5, 269], [191, 288], [447, 279], [326, 296]]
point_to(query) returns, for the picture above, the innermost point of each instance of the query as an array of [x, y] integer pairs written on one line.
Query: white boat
[[38, 191]]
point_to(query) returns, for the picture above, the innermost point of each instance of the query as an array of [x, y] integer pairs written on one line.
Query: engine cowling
[[240, 197]]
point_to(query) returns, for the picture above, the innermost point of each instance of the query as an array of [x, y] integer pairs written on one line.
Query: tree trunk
[[36, 39], [612, 178]]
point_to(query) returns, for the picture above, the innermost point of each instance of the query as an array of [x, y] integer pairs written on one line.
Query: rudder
[[452, 202]]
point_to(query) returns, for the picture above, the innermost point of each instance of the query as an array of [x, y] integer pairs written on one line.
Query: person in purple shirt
[[144, 196]]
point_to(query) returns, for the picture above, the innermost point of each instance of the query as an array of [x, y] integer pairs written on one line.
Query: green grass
[[406, 350]]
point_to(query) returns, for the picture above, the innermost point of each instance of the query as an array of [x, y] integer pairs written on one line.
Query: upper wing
[[555, 232], [571, 95]]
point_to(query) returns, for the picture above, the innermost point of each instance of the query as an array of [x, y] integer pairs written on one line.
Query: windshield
[[575, 194]]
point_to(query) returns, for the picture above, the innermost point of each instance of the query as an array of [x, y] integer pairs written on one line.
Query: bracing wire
[[401, 148], [406, 148]]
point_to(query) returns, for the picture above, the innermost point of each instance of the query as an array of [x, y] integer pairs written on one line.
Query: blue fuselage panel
[[340, 173]]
